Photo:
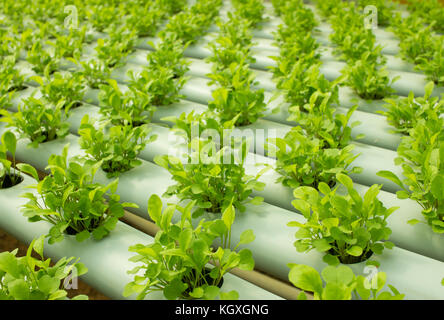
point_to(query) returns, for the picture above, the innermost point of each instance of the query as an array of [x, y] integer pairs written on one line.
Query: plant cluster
[[38, 120], [177, 263], [9, 175], [404, 113], [29, 278], [66, 87], [115, 147], [317, 149], [420, 155], [365, 71], [420, 45], [71, 201], [235, 100], [345, 228], [212, 176]]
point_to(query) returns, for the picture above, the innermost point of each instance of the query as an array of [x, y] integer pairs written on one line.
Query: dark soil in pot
[[70, 231], [353, 259], [209, 280], [17, 88], [8, 181]]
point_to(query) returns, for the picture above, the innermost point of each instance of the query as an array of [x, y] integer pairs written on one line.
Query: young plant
[[171, 7], [185, 26], [42, 61], [369, 80], [347, 229], [95, 73], [116, 47], [38, 121], [116, 147], [302, 161], [177, 263], [251, 10], [8, 173], [236, 99], [340, 284], [133, 107], [404, 113], [69, 45], [433, 65], [214, 179], [144, 19], [421, 156], [11, 79], [72, 202], [159, 84], [168, 53], [29, 278], [65, 87]]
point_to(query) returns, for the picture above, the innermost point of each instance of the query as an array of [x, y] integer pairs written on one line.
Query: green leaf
[[48, 285], [355, 251], [247, 237], [437, 187], [155, 208], [305, 278], [82, 236], [19, 289], [321, 245], [246, 260], [10, 141], [390, 176], [340, 274], [231, 295], [228, 216], [335, 291], [28, 169]]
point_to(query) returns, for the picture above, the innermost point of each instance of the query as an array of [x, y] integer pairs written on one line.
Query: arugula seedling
[[29, 278], [214, 179], [8, 173], [115, 147], [65, 87], [347, 229], [302, 161], [38, 121], [404, 113], [177, 262], [69, 199], [133, 107]]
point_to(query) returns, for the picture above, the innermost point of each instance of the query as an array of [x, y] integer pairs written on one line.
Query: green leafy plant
[[29, 278], [177, 262], [347, 229], [95, 73], [11, 79], [70, 200], [433, 65], [38, 121], [133, 107], [340, 284], [115, 147], [69, 45], [8, 173], [168, 53], [159, 84], [302, 161], [420, 155], [368, 79], [236, 99], [65, 87], [145, 19], [214, 179], [252, 10], [116, 47], [42, 61], [404, 113]]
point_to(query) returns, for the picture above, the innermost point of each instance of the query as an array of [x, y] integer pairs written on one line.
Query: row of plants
[[355, 43], [317, 148], [419, 44], [313, 159], [71, 214]]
